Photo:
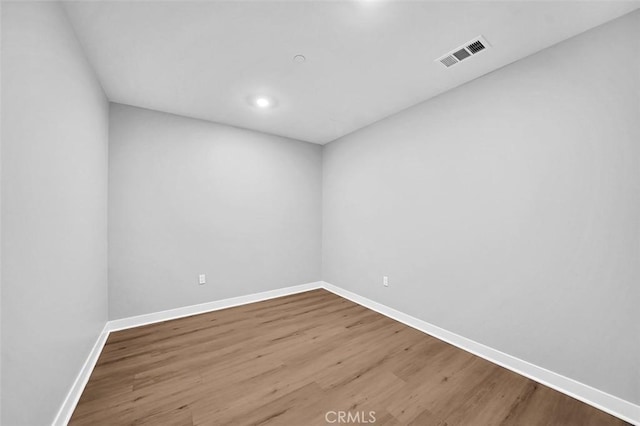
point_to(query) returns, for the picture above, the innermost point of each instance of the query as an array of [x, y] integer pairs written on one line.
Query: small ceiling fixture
[[299, 59], [262, 102]]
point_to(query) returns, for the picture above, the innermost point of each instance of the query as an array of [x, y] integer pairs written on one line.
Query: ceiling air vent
[[475, 47], [449, 60], [470, 48]]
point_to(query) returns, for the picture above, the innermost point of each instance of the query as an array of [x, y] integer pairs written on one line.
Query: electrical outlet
[[202, 279], [385, 281]]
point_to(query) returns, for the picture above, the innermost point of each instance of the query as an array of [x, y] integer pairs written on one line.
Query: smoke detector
[[467, 50]]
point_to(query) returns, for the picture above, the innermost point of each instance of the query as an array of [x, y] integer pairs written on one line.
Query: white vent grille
[[449, 60], [476, 46], [467, 50]]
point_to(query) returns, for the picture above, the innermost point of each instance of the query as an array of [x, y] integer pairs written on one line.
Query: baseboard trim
[[186, 311], [73, 397], [66, 410], [613, 405]]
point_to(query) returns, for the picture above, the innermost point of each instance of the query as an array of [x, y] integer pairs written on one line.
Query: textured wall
[[54, 211], [188, 197], [507, 210]]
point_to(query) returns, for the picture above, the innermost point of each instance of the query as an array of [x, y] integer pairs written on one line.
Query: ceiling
[[365, 60]]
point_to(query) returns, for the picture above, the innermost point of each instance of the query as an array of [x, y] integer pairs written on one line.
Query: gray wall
[[54, 205], [188, 196], [507, 210]]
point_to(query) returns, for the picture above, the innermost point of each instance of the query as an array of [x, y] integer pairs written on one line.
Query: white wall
[[188, 196], [54, 204], [507, 210]]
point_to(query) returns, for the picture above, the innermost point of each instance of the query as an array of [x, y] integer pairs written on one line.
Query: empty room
[[351, 212]]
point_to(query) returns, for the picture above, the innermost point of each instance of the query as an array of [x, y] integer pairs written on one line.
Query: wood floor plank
[[291, 360]]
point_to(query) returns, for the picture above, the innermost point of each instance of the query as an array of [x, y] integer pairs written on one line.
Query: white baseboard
[[70, 402], [613, 405], [137, 321]]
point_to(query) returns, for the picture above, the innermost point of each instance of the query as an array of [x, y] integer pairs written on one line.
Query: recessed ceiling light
[[263, 102], [299, 59]]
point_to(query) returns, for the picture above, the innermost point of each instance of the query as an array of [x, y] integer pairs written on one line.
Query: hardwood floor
[[290, 361]]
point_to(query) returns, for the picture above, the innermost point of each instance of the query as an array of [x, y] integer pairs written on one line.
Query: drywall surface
[[54, 211], [507, 210], [190, 197]]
